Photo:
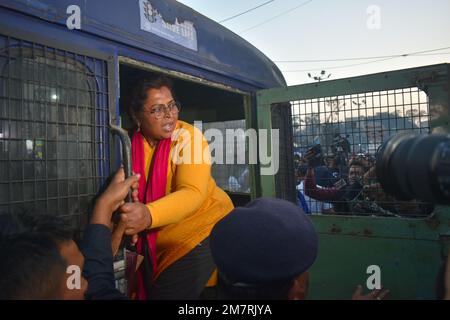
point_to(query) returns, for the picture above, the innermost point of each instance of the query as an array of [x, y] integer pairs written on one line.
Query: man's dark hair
[[140, 91], [31, 266], [357, 163], [52, 227]]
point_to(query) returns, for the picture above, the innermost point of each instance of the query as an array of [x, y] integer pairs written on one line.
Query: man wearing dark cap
[[263, 250]]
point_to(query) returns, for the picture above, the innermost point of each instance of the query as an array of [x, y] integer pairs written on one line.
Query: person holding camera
[[344, 194], [309, 205], [324, 175]]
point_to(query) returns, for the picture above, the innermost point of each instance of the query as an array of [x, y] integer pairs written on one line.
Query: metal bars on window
[[367, 119], [53, 128], [351, 128]]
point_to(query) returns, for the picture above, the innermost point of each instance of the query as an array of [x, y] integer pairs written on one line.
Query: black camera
[[314, 156], [415, 167]]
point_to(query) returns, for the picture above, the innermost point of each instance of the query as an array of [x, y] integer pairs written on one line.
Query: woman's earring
[[139, 127]]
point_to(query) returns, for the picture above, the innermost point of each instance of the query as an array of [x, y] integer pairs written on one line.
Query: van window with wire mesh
[[50, 133], [233, 176], [344, 133]]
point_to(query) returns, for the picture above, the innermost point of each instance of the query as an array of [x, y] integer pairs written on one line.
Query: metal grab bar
[[126, 153]]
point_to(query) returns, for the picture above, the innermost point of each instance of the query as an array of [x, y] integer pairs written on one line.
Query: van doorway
[[216, 107]]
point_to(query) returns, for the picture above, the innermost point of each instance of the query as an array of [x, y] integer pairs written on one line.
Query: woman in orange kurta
[[182, 216]]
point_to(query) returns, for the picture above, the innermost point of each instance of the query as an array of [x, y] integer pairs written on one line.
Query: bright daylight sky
[[332, 29]]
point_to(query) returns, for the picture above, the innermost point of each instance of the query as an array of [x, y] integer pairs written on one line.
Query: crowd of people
[[190, 241], [38, 252], [333, 184]]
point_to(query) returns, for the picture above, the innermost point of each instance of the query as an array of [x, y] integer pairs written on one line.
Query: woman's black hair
[[140, 91]]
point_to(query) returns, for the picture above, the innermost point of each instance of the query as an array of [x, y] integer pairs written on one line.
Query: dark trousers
[[186, 278]]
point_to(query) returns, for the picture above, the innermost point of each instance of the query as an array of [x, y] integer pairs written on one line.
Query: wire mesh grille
[[348, 129], [235, 176], [284, 182], [53, 136]]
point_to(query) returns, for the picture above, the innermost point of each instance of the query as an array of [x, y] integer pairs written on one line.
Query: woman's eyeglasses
[[159, 110]]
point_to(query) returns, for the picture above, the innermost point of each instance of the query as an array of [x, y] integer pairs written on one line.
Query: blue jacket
[[98, 264]]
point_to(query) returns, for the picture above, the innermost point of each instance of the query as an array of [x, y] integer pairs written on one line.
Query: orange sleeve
[[190, 187]]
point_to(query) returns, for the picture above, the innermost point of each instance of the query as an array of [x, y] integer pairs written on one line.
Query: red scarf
[[149, 191]]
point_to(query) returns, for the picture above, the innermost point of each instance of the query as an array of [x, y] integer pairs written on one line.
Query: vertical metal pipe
[[126, 152]]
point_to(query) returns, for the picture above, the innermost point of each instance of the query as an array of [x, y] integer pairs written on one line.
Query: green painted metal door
[[408, 249]]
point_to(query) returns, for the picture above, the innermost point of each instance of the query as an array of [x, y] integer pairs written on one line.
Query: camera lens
[[415, 167]]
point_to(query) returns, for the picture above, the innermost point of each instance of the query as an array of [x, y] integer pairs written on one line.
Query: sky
[[299, 30]]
